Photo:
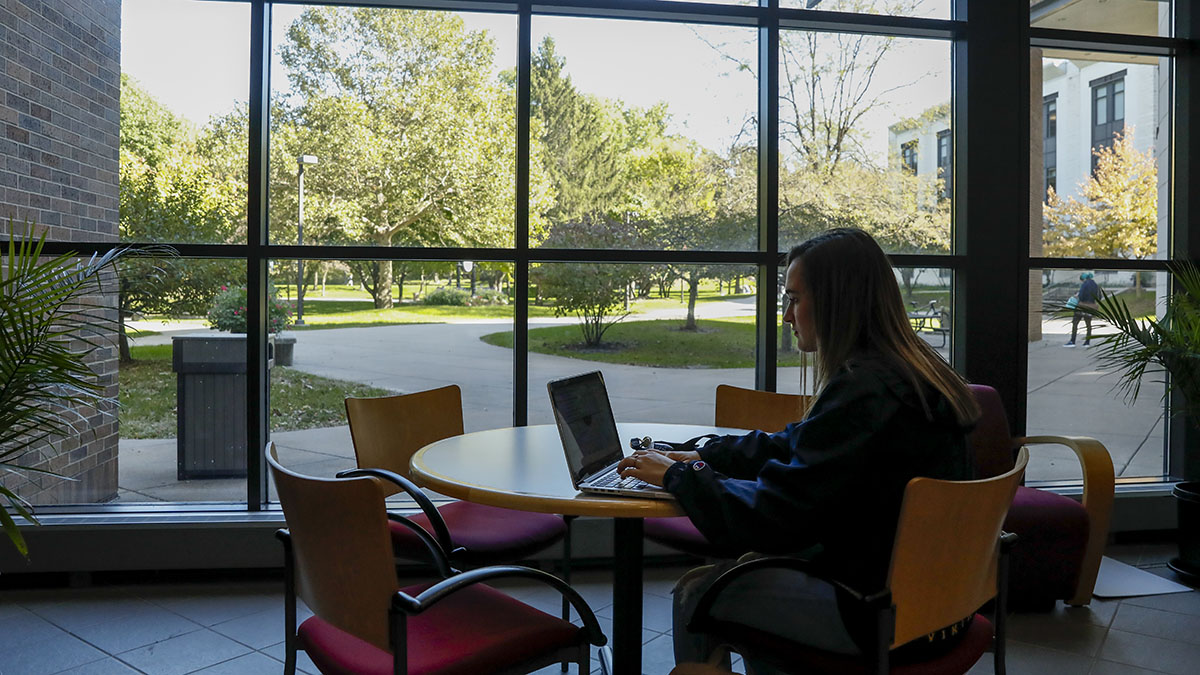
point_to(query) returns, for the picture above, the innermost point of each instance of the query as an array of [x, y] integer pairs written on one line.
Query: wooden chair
[[949, 559], [338, 559], [387, 431], [740, 409]]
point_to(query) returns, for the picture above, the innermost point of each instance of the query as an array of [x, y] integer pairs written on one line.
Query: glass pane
[[1110, 162], [858, 139], [135, 452], [392, 127], [926, 293], [928, 9], [1072, 393], [184, 90], [663, 335], [1132, 17], [649, 146], [346, 342]]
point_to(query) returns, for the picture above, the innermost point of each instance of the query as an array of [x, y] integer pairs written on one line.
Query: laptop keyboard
[[613, 479]]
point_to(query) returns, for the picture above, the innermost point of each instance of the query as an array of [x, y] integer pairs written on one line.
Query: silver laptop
[[589, 437]]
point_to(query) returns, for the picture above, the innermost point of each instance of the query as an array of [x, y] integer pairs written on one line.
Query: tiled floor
[[234, 627]]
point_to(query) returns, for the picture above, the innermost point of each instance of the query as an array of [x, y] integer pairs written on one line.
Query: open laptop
[[589, 437]]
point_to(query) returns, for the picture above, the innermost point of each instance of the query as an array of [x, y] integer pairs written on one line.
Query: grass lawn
[[723, 343], [298, 400], [322, 314]]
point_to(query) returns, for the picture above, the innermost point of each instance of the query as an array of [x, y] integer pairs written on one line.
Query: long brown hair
[[857, 310]]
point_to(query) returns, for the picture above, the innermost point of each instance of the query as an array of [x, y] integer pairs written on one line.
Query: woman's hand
[[648, 465]]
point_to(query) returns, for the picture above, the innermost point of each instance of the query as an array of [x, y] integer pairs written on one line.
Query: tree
[[593, 292], [415, 134], [167, 194], [1118, 216]]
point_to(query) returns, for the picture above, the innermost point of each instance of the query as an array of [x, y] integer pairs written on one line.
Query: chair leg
[[566, 577]]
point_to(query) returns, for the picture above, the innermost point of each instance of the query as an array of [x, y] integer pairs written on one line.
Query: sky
[[194, 57]]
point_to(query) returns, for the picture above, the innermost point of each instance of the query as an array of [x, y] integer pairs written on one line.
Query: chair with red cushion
[[736, 408], [1062, 540], [339, 561], [387, 431], [933, 582]]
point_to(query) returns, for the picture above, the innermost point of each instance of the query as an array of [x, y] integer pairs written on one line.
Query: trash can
[[210, 370], [284, 348]]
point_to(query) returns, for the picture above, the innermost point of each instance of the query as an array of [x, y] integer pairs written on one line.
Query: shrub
[[489, 297], [447, 296], [228, 311]]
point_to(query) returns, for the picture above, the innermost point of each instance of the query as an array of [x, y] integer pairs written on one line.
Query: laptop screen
[[585, 422]]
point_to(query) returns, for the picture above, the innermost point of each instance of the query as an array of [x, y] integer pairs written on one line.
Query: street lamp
[[300, 162], [469, 267]]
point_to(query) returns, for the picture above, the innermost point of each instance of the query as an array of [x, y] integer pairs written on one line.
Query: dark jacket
[[1089, 292], [835, 479]]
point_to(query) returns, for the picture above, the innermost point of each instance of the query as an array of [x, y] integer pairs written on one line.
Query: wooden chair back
[[342, 549], [753, 409], [387, 431], [945, 558]]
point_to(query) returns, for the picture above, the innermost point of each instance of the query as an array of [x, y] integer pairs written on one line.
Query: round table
[[524, 468]]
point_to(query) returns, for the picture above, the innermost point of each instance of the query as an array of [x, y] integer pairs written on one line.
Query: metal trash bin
[[211, 403]]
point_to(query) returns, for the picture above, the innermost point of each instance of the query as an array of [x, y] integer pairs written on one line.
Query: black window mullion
[[767, 292], [257, 375], [521, 226]]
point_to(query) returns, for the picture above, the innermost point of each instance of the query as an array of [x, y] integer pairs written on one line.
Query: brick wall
[[60, 63]]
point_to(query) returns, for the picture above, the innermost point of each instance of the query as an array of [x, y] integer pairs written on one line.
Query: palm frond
[[49, 326]]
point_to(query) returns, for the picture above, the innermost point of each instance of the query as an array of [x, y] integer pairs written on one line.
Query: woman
[[828, 487]]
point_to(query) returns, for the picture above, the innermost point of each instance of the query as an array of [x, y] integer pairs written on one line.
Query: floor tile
[[48, 656], [105, 666], [199, 607], [184, 653], [146, 627], [77, 613], [253, 663], [1158, 623], [255, 630], [1064, 630], [303, 663], [1112, 668], [24, 627], [1183, 603], [1150, 652]]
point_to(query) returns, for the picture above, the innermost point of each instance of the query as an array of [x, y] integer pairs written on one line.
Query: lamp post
[[300, 162], [469, 266]]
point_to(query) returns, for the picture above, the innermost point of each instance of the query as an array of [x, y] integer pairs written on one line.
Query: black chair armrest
[[438, 556], [702, 615], [440, 531], [424, 600]]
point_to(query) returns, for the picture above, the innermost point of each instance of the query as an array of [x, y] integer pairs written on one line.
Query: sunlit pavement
[[1067, 396]]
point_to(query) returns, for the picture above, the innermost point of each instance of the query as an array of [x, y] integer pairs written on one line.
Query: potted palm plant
[[48, 327], [1170, 344]]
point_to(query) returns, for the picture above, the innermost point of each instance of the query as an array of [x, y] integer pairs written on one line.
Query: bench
[[932, 320]]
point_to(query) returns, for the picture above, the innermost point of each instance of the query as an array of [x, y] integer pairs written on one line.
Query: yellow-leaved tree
[[1118, 217]]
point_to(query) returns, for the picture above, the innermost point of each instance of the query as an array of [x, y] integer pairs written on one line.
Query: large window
[[387, 197]]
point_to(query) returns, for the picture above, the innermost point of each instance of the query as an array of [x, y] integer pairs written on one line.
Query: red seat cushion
[[489, 534], [680, 534], [1052, 533], [804, 659], [476, 630]]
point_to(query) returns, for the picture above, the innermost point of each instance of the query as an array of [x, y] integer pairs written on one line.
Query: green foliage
[[50, 324], [228, 311], [168, 192], [1145, 344], [455, 297], [1118, 217]]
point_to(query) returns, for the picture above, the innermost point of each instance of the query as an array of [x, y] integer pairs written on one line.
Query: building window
[[1050, 143], [908, 155], [1108, 111], [945, 162]]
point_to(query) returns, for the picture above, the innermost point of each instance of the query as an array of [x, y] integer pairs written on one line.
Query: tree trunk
[[126, 356], [906, 276], [693, 291], [382, 294]]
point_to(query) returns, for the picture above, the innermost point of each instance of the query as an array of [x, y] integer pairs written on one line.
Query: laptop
[[589, 436]]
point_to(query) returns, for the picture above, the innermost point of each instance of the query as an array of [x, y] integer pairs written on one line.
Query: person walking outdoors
[[1088, 293]]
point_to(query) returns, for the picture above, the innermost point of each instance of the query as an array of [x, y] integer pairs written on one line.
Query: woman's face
[[798, 308]]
